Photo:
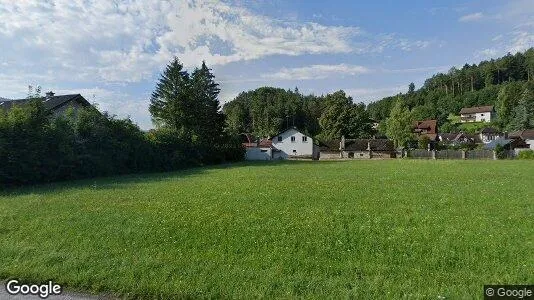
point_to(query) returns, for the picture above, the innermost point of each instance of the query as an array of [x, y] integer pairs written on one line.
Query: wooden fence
[[453, 154]]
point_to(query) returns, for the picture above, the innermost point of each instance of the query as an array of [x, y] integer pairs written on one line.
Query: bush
[[500, 152], [526, 154], [423, 142], [36, 147]]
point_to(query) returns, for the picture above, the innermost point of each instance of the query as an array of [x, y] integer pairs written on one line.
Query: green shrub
[[526, 154], [500, 152]]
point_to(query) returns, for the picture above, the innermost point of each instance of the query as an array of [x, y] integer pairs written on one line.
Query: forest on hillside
[[507, 83]]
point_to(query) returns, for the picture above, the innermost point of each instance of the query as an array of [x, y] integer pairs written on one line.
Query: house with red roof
[[427, 128]]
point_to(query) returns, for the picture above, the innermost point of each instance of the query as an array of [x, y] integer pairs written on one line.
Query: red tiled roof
[[265, 143]]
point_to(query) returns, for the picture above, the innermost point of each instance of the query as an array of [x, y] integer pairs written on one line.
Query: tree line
[[266, 111], [190, 131], [506, 83]]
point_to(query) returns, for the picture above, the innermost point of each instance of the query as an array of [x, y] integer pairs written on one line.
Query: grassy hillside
[[368, 229]]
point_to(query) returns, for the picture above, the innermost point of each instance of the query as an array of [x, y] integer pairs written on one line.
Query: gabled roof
[[50, 103], [523, 134], [358, 145], [476, 109], [431, 126], [487, 130], [458, 137], [448, 137], [265, 143], [287, 129], [248, 141]]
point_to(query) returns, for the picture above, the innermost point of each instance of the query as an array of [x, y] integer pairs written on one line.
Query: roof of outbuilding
[[358, 145], [331, 145], [489, 130], [476, 109], [524, 134], [374, 144], [49, 102], [448, 137]]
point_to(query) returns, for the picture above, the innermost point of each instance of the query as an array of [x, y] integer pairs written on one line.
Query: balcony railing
[[468, 119]]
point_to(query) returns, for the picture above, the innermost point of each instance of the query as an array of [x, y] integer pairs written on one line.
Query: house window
[[292, 139], [482, 114], [294, 151], [263, 150], [279, 138], [304, 139]]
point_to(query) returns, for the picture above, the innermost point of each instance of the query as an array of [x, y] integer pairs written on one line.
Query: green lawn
[[362, 229]]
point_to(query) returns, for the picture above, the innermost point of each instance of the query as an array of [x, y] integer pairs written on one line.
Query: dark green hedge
[[37, 147]]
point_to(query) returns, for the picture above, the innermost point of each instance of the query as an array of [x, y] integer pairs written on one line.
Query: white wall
[[298, 147], [480, 117], [255, 153], [530, 143]]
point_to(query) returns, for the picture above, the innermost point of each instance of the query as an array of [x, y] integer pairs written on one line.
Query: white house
[[488, 134], [294, 144], [477, 114]]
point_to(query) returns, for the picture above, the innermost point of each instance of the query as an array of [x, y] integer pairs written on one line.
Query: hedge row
[[37, 147]]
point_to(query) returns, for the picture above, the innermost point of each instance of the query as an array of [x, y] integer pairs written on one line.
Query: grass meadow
[[352, 229]]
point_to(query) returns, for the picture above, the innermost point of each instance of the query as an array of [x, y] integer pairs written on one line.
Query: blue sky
[[112, 52]]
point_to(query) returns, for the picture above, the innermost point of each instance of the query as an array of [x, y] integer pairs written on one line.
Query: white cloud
[[518, 40], [316, 72], [521, 40], [97, 43], [497, 38], [367, 95], [487, 53], [127, 42], [115, 41], [471, 17], [330, 71]]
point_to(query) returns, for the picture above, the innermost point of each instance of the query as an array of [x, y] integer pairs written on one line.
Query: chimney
[[49, 95]]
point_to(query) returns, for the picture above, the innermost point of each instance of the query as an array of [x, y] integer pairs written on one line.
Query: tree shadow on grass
[[122, 181]]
